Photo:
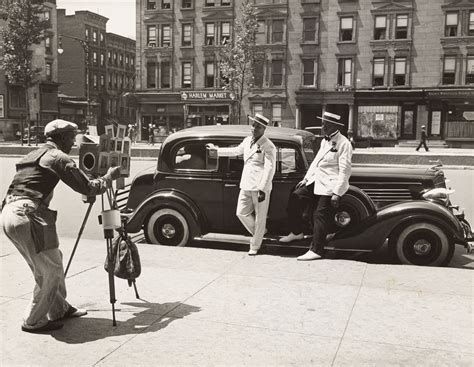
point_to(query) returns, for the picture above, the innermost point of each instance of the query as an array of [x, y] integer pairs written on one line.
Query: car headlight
[[439, 195]]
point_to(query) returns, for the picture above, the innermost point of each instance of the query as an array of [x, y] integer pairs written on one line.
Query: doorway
[[408, 122]]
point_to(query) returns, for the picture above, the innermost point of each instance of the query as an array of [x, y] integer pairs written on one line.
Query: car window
[[190, 156], [289, 160]]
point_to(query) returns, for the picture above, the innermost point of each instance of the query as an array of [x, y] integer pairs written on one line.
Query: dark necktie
[[252, 142]]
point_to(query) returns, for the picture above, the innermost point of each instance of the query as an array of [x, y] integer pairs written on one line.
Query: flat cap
[[59, 126]]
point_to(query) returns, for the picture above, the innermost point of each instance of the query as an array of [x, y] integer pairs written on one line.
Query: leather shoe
[[74, 312], [292, 237], [252, 252], [310, 255], [50, 326]]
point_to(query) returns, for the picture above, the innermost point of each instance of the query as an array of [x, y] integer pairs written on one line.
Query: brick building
[[387, 66], [43, 104]]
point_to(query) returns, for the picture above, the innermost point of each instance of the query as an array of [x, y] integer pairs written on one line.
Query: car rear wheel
[[168, 227], [422, 244]]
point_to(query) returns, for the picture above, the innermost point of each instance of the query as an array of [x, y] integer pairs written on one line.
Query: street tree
[[24, 27], [239, 55]]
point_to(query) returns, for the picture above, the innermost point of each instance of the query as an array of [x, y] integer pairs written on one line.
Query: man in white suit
[[325, 182], [256, 181]]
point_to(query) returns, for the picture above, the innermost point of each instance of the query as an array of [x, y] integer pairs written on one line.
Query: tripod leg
[[135, 287], [79, 237], [110, 268]]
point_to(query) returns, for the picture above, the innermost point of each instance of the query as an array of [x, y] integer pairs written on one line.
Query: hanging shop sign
[[207, 95]]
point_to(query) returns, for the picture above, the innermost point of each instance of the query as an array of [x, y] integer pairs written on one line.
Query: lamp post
[[85, 46]]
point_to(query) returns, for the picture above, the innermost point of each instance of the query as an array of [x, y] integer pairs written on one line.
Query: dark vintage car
[[191, 195]]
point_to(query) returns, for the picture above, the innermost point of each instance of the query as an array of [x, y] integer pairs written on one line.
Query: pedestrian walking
[[31, 225], [423, 140], [151, 133]]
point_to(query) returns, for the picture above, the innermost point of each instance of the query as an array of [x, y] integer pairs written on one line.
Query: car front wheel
[[422, 244], [168, 227]]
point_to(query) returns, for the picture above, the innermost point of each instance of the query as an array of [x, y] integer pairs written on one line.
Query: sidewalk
[[203, 307]]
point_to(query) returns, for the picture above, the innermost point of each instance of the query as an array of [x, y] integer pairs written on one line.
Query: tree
[[238, 56], [24, 28]]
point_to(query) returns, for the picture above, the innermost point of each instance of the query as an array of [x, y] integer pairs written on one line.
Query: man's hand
[[261, 196], [113, 172], [335, 199], [211, 146], [301, 183]]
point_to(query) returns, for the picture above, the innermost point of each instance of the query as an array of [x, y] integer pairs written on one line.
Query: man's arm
[[230, 152]]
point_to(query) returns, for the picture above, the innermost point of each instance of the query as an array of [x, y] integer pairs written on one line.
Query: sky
[[121, 13]]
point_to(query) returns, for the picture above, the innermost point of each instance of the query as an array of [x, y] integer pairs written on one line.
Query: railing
[[460, 129]]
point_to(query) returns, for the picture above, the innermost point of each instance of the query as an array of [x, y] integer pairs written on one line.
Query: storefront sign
[[379, 117], [435, 122], [2, 107], [451, 93], [207, 95]]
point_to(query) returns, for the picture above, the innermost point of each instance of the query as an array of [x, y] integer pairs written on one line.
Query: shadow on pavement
[[152, 319]]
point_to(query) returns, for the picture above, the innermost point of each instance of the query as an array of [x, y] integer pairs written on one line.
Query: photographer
[[30, 224]]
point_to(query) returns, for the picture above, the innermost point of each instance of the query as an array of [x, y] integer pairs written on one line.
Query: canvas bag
[[126, 258]]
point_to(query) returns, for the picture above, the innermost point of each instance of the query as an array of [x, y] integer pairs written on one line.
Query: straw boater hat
[[262, 120], [59, 126], [331, 117]]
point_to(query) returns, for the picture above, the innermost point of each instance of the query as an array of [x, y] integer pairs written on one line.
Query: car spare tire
[[167, 226]]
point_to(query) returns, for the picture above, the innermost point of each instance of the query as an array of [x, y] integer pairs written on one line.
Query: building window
[[102, 59], [165, 4], [210, 34], [151, 4], [277, 31], [186, 72], [378, 78], [225, 32], [47, 15], [115, 58], [449, 70], [346, 31], [151, 75], [344, 74], [94, 36], [309, 72], [17, 98], [151, 36], [47, 44], [186, 39], [102, 80], [121, 60], [210, 3], [127, 59], [94, 57], [399, 75], [186, 4], [165, 35], [401, 26], [94, 81], [277, 73], [225, 2], [101, 37], [258, 73], [451, 28], [49, 68], [166, 74], [276, 114], [209, 78], [470, 69], [380, 30], [110, 79], [115, 81], [260, 38], [309, 29], [257, 108], [109, 57], [470, 26], [87, 33]]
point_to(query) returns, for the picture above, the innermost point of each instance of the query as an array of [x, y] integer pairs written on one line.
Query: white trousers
[[49, 296], [253, 215]]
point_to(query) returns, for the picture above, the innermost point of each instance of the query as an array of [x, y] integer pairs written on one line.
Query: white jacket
[[259, 163], [331, 168]]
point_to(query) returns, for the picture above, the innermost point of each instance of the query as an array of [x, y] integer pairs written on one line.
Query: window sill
[[346, 42], [313, 43], [187, 9], [187, 47]]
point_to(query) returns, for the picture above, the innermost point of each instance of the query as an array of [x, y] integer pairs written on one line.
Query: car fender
[[371, 233], [165, 198]]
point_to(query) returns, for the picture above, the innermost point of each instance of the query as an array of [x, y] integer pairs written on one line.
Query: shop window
[[187, 35], [151, 36], [449, 70], [210, 3], [257, 108], [399, 75], [225, 32], [186, 74], [277, 31], [165, 4], [380, 30], [451, 27], [470, 69], [258, 73], [378, 78], [309, 29], [378, 122], [346, 29], [344, 74], [401, 26], [165, 35], [470, 26], [309, 72], [209, 77], [276, 114], [260, 38], [277, 73], [151, 4], [49, 68], [151, 75], [186, 4], [165, 74], [210, 34]]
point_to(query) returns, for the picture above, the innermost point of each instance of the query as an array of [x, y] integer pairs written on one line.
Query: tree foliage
[[238, 56]]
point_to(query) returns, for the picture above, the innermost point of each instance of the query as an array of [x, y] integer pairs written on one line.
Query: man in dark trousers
[[30, 224], [424, 137], [326, 180]]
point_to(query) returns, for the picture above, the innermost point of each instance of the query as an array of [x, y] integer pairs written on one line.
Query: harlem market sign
[[207, 95]]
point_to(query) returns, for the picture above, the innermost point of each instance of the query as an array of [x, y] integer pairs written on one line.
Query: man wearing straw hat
[[256, 181], [325, 182], [30, 224]]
